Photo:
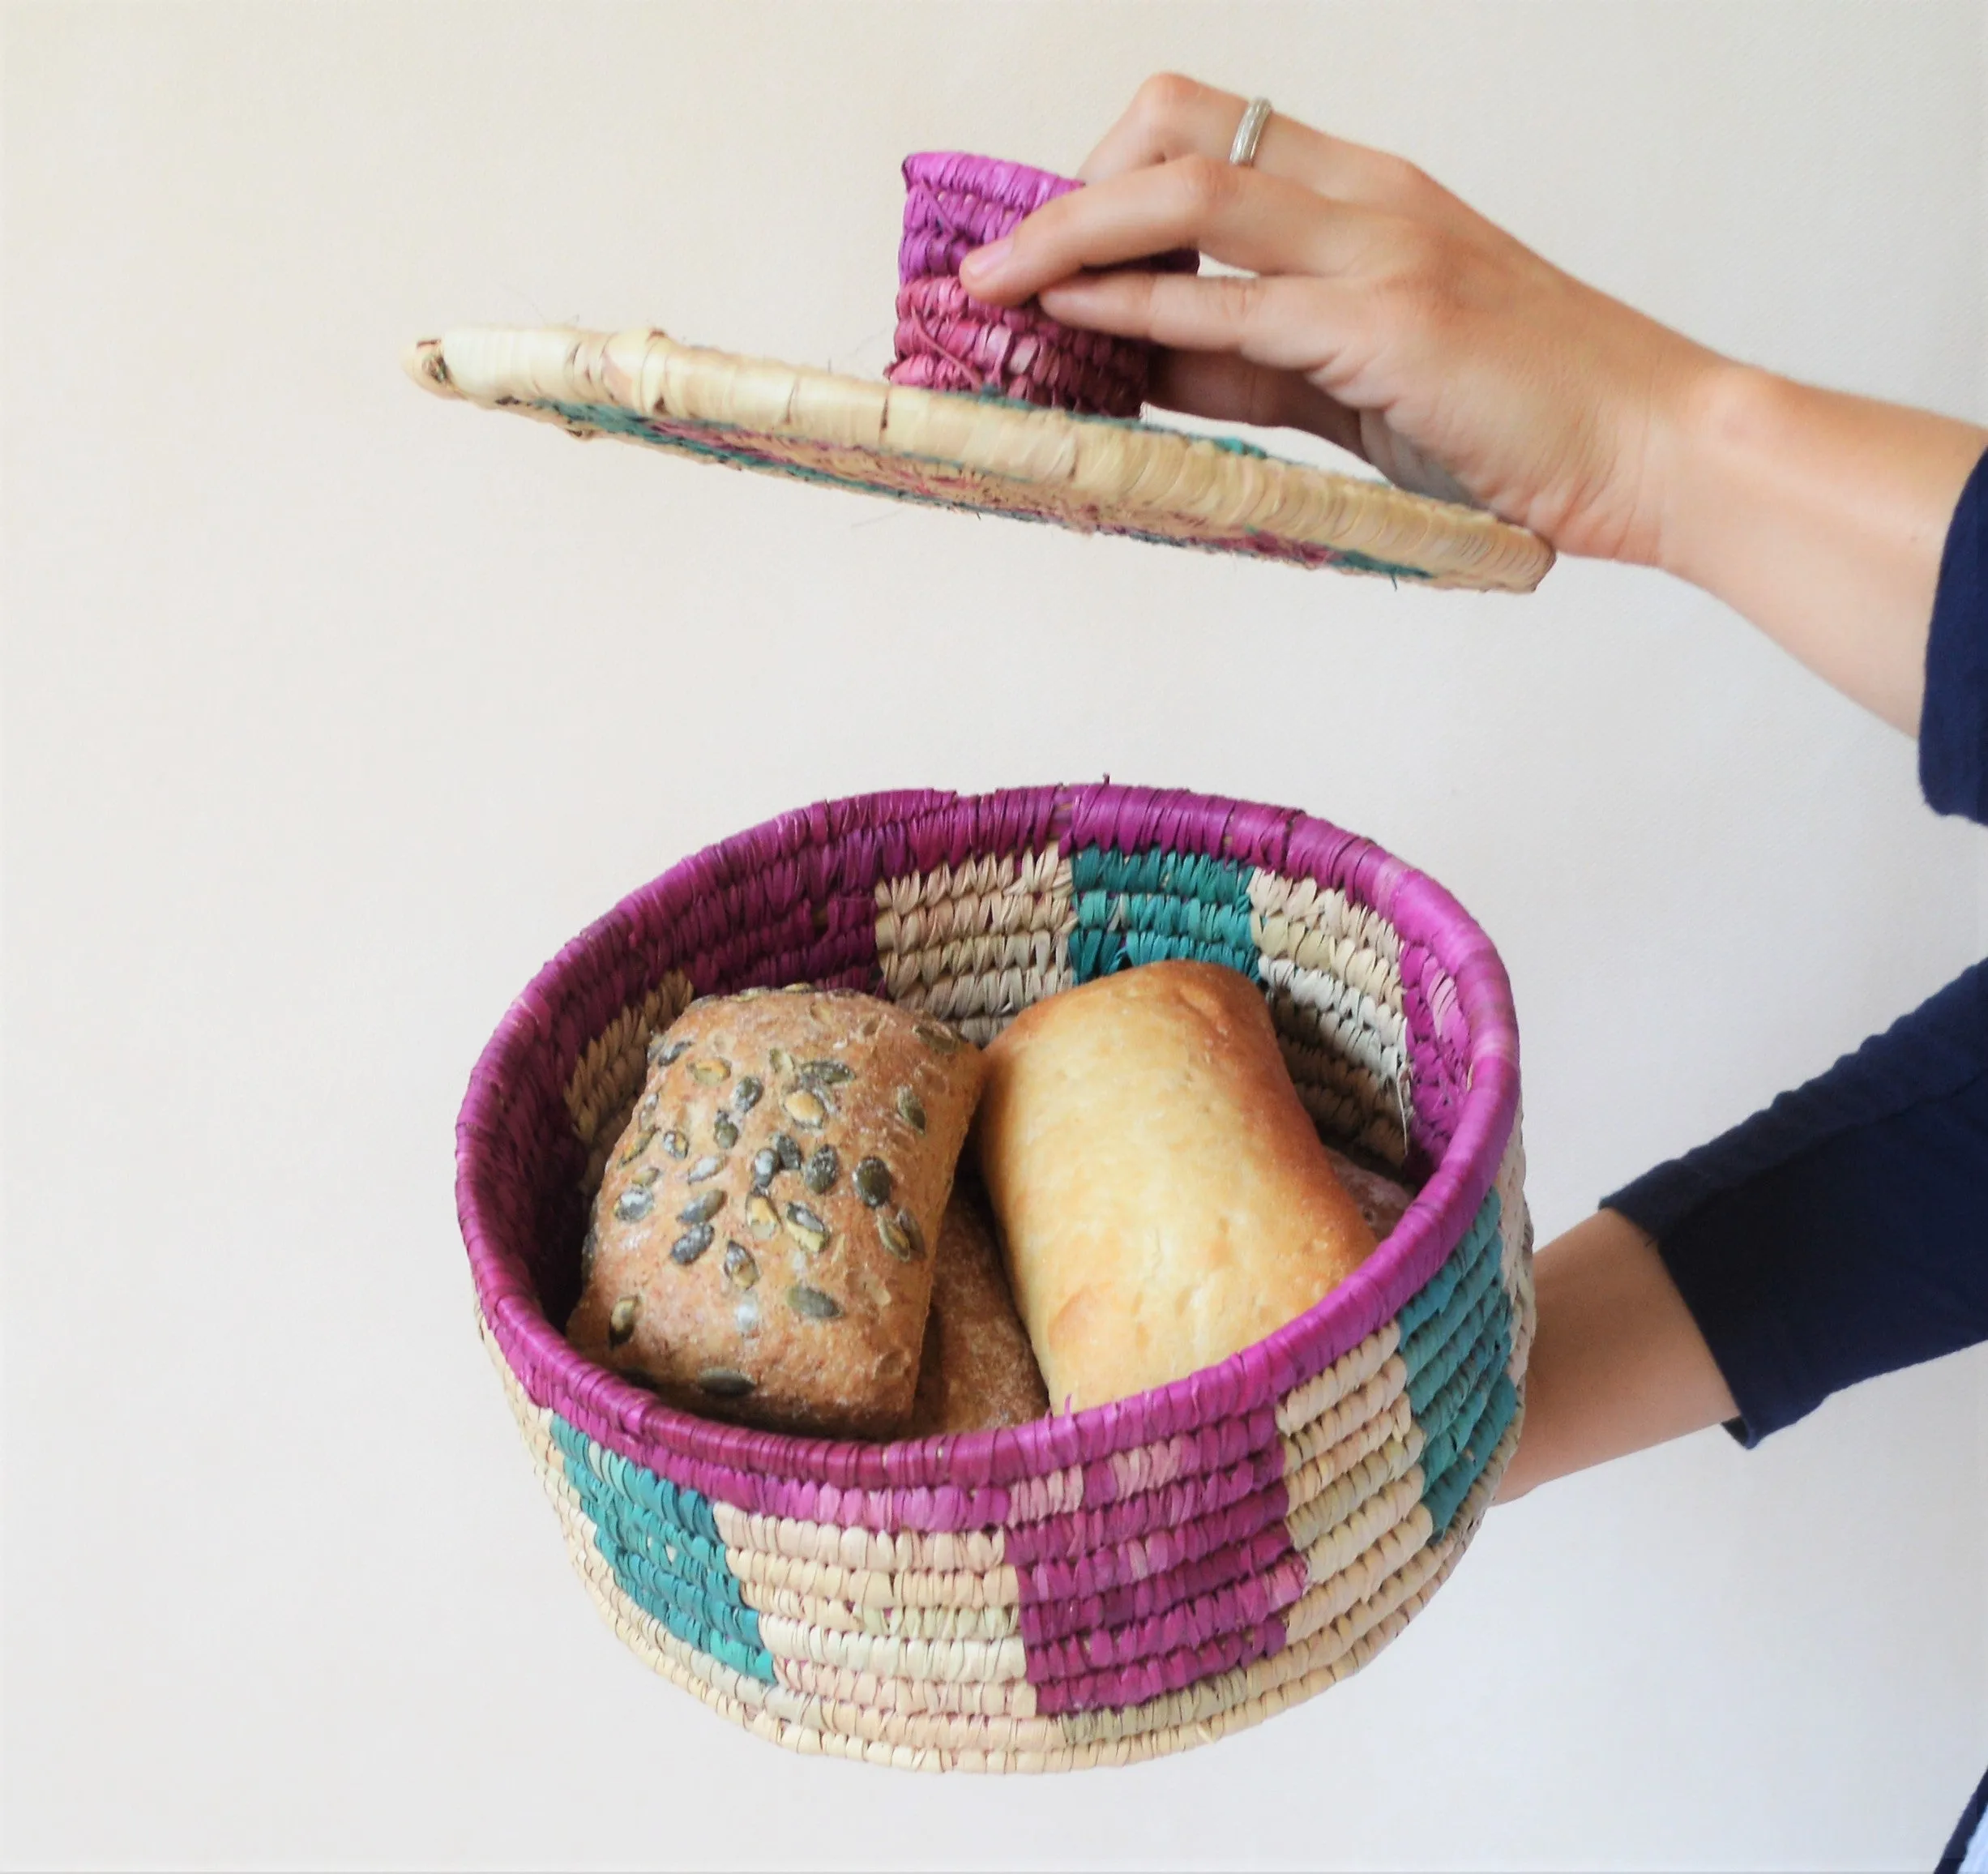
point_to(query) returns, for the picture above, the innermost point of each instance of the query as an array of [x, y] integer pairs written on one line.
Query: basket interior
[[972, 910], [979, 942]]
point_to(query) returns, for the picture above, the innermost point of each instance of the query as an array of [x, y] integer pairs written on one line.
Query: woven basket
[[1094, 1588]]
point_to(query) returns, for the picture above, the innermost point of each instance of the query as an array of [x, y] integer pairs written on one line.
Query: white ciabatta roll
[[1164, 1200]]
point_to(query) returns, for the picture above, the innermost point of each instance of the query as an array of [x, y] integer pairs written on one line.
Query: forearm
[[1617, 1364], [1819, 516]]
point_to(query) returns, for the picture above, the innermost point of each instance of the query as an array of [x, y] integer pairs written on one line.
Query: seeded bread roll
[[1164, 1199], [758, 1249], [978, 1370]]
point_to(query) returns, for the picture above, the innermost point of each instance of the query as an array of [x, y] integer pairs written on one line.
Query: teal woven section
[[662, 1542], [612, 420], [1455, 1340], [1135, 908], [1437, 1349], [1480, 1242], [1445, 1494], [1452, 1413]]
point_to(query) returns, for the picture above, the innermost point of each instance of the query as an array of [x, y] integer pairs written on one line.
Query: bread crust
[[1382, 1200], [1163, 1198], [795, 1298], [978, 1370]]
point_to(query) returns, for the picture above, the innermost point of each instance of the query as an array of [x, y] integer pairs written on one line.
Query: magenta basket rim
[[955, 1482], [1021, 190], [1017, 185]]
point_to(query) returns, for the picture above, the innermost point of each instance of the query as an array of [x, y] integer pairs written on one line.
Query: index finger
[[1238, 216], [1171, 116]]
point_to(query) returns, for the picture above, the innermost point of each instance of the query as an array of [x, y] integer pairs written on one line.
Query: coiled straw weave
[[947, 340], [986, 454], [1094, 1588]]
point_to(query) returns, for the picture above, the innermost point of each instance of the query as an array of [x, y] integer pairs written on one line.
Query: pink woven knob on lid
[[948, 341]]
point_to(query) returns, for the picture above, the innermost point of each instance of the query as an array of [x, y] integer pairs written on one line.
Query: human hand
[[1380, 312]]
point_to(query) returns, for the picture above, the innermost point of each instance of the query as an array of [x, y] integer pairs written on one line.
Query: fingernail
[[983, 261]]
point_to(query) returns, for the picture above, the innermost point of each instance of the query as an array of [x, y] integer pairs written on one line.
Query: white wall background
[[331, 711]]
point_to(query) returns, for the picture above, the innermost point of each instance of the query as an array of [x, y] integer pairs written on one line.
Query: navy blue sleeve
[[1953, 725], [1965, 1830], [1843, 1232]]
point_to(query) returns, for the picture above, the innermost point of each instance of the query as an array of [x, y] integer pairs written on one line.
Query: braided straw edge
[[1146, 479]]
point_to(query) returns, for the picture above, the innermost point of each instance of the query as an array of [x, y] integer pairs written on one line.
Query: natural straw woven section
[[1353, 1369], [956, 1553], [601, 1093], [1516, 1227], [987, 454], [928, 1624], [1367, 1401], [1333, 972], [1328, 1487], [983, 1660], [977, 944], [847, 1693], [874, 1589]]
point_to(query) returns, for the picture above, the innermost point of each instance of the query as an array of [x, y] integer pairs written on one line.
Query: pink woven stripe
[[518, 1163], [1231, 1502], [1208, 1447], [1115, 1687], [1013, 187], [1239, 1609], [1071, 1570], [1131, 818], [954, 202], [1055, 1602], [947, 340]]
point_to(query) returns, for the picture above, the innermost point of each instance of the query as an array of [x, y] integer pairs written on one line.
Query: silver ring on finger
[[1249, 132]]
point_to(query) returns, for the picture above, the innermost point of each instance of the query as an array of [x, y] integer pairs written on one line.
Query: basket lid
[[985, 453]]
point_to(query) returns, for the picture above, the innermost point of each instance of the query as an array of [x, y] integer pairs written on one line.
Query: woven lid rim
[[1114, 474]]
